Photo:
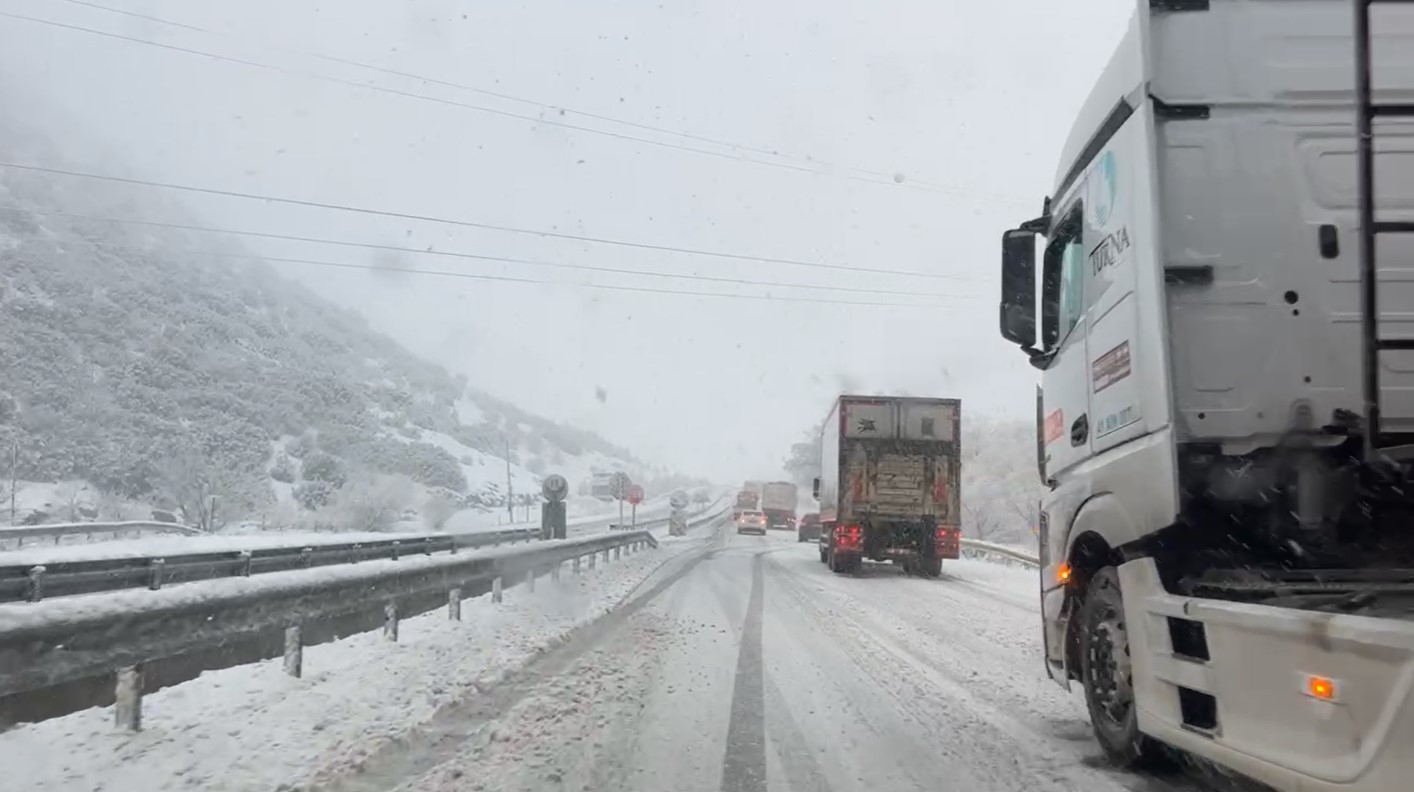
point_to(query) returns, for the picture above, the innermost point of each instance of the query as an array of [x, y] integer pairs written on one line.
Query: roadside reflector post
[[496, 590], [618, 553], [35, 587], [390, 621], [555, 572], [454, 604], [530, 580], [306, 557], [245, 563], [294, 651], [154, 578], [127, 710]]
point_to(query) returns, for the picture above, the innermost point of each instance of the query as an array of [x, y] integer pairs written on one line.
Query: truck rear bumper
[[1298, 700]]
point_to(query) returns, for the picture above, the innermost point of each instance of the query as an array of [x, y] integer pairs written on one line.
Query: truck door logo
[[867, 425]]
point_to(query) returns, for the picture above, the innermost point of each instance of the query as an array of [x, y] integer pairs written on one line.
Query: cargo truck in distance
[[778, 501], [747, 500], [889, 484], [1226, 417]]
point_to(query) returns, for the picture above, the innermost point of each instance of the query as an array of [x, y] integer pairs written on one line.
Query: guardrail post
[[555, 572], [530, 581], [245, 563], [396, 544], [427, 546], [618, 553], [154, 577], [575, 567], [35, 588], [127, 712], [606, 556], [496, 590], [357, 548], [390, 621], [454, 604], [306, 557], [593, 557], [294, 651]]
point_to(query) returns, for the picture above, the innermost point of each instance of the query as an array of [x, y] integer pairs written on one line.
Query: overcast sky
[[908, 135]]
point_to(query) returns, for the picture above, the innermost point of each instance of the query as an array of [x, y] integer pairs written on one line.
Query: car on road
[[808, 529], [751, 522]]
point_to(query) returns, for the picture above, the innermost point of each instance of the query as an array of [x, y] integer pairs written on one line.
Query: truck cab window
[[1063, 285]]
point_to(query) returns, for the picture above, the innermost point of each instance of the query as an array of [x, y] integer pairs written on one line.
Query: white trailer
[[1227, 417]]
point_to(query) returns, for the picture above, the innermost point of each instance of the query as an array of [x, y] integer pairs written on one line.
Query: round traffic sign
[[554, 488], [635, 494]]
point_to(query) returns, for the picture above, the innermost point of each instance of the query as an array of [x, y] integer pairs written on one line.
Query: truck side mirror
[[1018, 304], [815, 491]]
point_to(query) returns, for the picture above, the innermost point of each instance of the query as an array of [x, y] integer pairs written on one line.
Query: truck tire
[[929, 567], [841, 565], [1105, 672], [823, 556]]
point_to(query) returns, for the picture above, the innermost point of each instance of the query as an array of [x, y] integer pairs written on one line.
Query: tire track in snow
[[744, 766]]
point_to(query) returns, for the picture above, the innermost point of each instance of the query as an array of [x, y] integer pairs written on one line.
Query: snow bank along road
[[753, 669]]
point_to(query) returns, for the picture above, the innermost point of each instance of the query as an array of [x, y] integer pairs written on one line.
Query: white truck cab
[[1221, 310]]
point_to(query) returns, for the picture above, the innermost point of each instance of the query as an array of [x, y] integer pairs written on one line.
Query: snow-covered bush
[[369, 502], [437, 510]]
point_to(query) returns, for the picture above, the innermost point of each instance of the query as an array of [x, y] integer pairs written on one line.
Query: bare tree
[[199, 489], [68, 501], [112, 507]]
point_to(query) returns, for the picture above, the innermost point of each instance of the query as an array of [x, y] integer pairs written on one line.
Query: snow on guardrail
[[72, 653]]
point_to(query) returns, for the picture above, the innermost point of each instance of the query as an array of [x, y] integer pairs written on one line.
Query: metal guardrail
[[32, 583], [63, 657], [58, 531], [35, 582], [979, 547]]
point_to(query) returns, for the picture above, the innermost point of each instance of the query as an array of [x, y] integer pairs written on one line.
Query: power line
[[477, 256], [425, 97], [466, 223], [914, 183], [540, 282]]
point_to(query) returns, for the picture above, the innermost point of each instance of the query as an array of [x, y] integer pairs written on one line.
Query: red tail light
[[946, 541], [848, 537]]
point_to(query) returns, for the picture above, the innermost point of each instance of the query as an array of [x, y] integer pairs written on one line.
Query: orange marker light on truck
[[1063, 573], [1319, 687]]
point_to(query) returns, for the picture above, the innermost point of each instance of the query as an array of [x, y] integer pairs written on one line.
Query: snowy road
[[750, 668]]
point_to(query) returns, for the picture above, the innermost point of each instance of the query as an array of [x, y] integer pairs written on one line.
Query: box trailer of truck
[[890, 480], [778, 501]]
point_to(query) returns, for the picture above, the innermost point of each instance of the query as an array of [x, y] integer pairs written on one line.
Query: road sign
[[678, 500], [635, 494], [554, 488], [619, 484]]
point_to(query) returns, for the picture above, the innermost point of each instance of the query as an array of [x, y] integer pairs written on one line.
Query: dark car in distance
[[808, 528]]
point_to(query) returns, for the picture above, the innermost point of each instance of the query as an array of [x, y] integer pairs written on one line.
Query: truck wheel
[[930, 567], [1106, 671], [823, 556]]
